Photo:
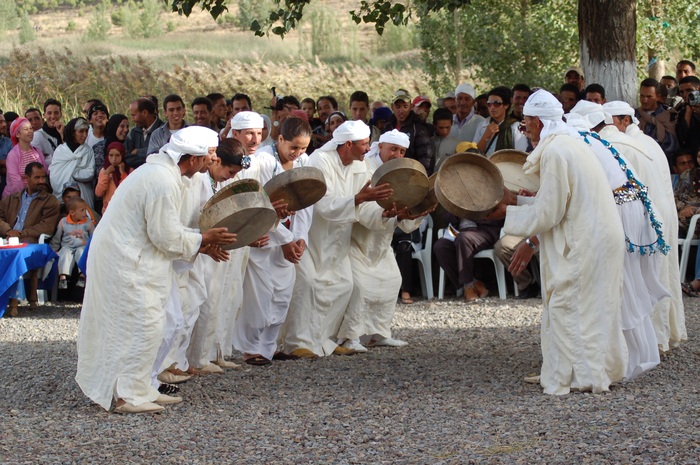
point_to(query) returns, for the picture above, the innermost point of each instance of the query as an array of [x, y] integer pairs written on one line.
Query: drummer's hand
[[508, 197], [498, 213], [291, 252], [301, 243], [217, 253], [280, 207], [261, 242], [368, 193], [401, 217], [526, 193], [13, 233], [218, 236], [522, 256]]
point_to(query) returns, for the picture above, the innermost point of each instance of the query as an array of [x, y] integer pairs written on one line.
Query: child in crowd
[[70, 239], [113, 172]]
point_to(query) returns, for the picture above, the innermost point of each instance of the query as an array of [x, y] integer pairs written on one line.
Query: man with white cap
[[375, 273], [246, 128], [131, 275], [407, 121], [650, 164], [465, 120], [324, 275], [582, 247]]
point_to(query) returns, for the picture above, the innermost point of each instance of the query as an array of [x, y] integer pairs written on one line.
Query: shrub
[[26, 30]]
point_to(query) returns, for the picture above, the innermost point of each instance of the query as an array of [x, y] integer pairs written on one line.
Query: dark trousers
[[457, 258]]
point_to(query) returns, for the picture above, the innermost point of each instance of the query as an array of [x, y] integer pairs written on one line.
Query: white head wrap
[[548, 109], [465, 89], [246, 120], [577, 122], [395, 137], [192, 140], [593, 112], [348, 131], [543, 105], [620, 108]]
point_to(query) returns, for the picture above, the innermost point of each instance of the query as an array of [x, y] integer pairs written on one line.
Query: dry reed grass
[[28, 78]]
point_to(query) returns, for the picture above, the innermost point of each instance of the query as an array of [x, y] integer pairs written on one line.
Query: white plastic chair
[[43, 294], [489, 254], [686, 244], [424, 258]]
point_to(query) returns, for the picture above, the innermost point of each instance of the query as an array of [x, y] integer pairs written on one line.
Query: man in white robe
[[133, 247], [651, 167], [582, 249], [375, 273], [324, 276]]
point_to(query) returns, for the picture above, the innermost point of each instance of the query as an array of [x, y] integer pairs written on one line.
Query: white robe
[[324, 276], [269, 277], [642, 289], [652, 166], [375, 274], [189, 279], [129, 282], [581, 258], [217, 311], [78, 166]]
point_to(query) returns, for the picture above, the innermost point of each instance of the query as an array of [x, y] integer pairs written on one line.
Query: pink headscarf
[[14, 129], [116, 175]]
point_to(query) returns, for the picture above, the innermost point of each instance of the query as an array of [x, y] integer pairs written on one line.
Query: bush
[[71, 26], [144, 22], [99, 25], [250, 10], [8, 16], [117, 17], [26, 30]]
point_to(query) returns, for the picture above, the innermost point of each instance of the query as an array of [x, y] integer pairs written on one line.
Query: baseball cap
[[72, 185], [575, 69], [421, 99], [401, 94]]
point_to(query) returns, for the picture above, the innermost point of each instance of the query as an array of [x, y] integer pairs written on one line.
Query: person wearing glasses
[[500, 131]]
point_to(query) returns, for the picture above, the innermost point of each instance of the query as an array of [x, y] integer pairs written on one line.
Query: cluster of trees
[[542, 37]]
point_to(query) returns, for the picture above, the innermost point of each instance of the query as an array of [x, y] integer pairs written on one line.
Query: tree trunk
[[607, 36], [458, 51], [657, 70]]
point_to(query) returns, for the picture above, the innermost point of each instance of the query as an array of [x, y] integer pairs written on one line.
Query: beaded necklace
[[641, 192]]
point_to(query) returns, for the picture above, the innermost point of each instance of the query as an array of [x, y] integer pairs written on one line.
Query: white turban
[[548, 109], [577, 122], [246, 120], [465, 89], [348, 131], [593, 112], [395, 137], [543, 105], [192, 140], [620, 108]]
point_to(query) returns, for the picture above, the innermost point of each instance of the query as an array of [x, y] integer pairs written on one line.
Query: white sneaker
[[63, 284], [355, 345], [390, 342], [81, 282]]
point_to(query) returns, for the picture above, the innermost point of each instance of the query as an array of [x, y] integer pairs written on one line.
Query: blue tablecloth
[[15, 262]]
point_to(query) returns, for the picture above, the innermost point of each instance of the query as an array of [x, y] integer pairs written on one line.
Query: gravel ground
[[453, 396]]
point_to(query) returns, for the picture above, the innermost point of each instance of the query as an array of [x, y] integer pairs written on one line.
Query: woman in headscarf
[[22, 154], [113, 172], [499, 132], [267, 130], [74, 161], [116, 131]]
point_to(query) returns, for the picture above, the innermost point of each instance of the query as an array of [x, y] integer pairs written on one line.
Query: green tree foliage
[[100, 23], [26, 30], [505, 42], [8, 16], [142, 22], [251, 10], [667, 27]]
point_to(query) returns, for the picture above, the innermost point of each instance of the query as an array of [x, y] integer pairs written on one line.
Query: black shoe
[[530, 292]]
